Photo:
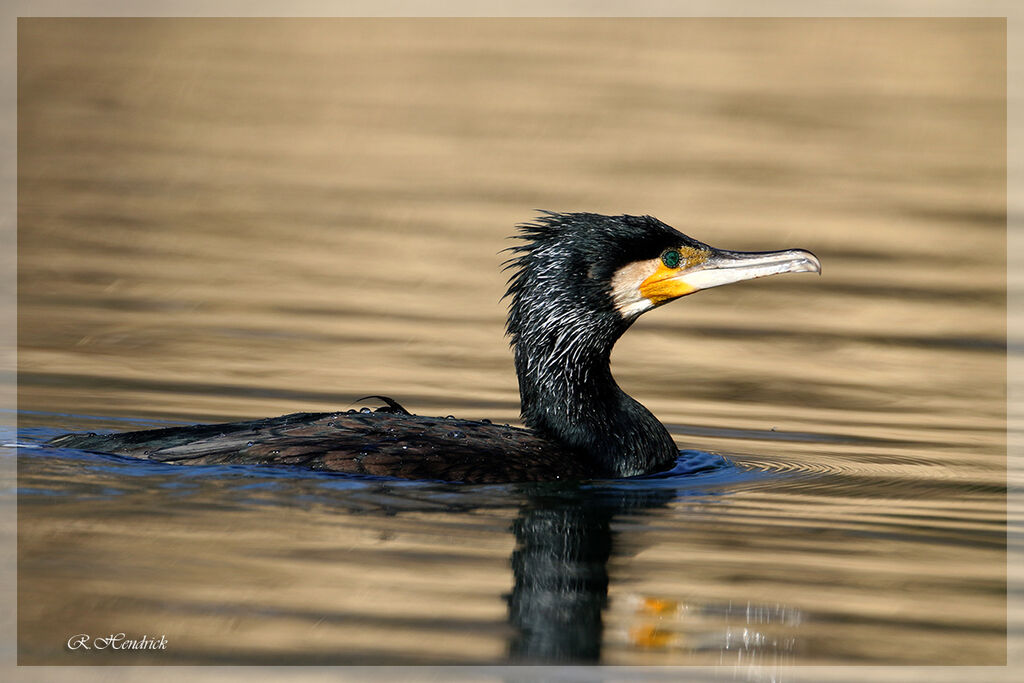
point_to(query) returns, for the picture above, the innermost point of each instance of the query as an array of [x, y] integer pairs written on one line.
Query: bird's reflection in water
[[755, 638], [564, 540], [560, 569]]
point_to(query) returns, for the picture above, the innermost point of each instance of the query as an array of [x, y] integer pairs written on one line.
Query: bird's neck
[[569, 395]]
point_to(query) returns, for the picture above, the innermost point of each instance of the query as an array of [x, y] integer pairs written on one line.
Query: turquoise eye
[[671, 258]]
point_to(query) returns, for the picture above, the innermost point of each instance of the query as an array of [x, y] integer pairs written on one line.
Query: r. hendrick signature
[[116, 641]]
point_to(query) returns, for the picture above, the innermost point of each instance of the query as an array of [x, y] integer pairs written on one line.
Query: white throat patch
[[626, 296]]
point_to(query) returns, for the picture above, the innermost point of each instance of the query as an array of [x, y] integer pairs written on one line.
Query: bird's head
[[611, 269]]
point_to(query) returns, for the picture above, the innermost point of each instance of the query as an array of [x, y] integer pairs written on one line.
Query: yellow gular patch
[[663, 285]]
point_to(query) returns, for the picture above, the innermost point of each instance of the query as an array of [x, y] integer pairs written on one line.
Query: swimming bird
[[578, 281]]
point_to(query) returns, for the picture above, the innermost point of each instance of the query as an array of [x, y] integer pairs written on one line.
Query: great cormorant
[[579, 280]]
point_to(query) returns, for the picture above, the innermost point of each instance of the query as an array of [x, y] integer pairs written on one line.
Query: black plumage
[[578, 282], [563, 325]]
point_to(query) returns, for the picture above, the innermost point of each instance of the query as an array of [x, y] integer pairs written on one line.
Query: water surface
[[236, 219]]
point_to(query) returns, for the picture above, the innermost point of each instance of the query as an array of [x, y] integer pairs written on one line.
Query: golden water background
[[226, 219]]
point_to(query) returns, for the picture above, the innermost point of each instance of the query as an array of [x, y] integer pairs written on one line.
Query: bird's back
[[367, 443]]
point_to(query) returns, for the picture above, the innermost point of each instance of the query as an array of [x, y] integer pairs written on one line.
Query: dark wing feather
[[377, 444]]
